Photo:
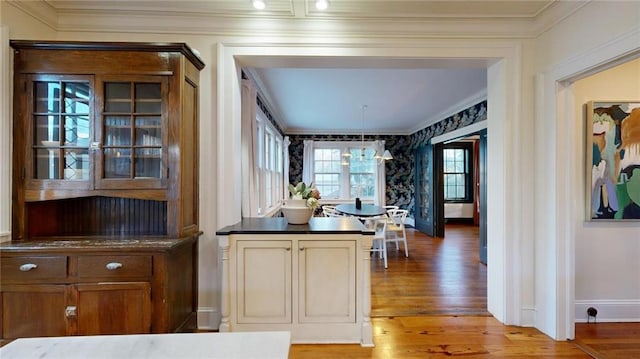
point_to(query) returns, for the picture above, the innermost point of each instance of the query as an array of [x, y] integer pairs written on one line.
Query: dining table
[[365, 210]]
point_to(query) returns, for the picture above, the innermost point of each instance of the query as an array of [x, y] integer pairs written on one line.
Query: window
[[270, 174], [362, 173], [327, 170], [457, 172], [338, 177]]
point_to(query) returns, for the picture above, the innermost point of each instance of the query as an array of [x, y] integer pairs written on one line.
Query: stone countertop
[[103, 243], [279, 225], [272, 345]]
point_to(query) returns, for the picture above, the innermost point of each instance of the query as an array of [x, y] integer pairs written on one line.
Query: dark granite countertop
[[279, 225], [102, 243]]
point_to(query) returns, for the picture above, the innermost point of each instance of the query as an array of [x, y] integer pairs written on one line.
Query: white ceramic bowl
[[297, 215]]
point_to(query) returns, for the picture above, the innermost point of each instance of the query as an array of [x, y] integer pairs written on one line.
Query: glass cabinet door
[[61, 114], [133, 118]]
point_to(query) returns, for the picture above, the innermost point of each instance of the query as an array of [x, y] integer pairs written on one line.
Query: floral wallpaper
[[400, 170]]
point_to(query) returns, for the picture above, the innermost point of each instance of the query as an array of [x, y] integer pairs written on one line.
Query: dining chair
[[379, 244], [390, 208], [395, 229], [330, 211]]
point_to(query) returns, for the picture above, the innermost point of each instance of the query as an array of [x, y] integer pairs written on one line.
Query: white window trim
[[344, 177], [263, 127]]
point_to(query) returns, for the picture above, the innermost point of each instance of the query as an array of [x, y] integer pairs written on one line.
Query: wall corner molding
[[39, 10]]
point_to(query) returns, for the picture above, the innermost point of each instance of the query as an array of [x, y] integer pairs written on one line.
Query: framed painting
[[613, 160]]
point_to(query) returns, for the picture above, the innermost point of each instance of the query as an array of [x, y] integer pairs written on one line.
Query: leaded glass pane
[[76, 164]]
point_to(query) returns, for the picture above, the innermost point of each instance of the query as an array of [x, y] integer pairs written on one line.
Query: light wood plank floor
[[441, 276], [433, 304]]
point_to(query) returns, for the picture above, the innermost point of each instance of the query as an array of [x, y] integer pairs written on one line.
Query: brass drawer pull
[[27, 267], [113, 265], [70, 311]]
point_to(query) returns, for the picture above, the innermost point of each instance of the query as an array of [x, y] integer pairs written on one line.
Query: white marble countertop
[[244, 345]]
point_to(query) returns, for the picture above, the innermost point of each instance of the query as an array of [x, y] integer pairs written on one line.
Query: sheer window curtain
[[286, 165], [249, 155], [380, 198], [307, 162]]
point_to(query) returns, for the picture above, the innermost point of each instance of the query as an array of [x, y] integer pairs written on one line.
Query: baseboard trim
[[208, 318], [608, 310], [527, 317]]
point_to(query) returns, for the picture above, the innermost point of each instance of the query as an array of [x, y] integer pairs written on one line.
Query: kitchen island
[[313, 279]]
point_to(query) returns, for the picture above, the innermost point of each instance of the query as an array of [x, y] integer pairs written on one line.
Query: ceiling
[[398, 100], [326, 95]]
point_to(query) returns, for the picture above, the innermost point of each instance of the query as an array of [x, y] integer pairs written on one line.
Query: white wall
[[14, 24], [590, 38], [458, 210], [607, 264], [525, 287]]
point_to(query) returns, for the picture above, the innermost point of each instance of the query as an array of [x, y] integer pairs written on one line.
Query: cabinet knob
[[28, 266], [287, 249], [113, 265], [70, 311], [302, 248]]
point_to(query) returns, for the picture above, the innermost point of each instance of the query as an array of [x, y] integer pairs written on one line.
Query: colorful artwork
[[613, 160]]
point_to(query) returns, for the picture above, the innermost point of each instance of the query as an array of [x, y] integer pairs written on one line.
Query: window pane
[[47, 164], [118, 97], [362, 169], [117, 163], [76, 164], [148, 163]]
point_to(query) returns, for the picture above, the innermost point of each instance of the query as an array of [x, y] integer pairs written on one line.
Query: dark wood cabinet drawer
[[113, 267], [33, 268]]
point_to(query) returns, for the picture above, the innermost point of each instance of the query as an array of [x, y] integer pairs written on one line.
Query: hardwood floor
[[445, 336], [609, 340], [440, 277], [433, 304]]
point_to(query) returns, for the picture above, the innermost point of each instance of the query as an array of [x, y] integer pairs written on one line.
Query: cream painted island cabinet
[[310, 279]]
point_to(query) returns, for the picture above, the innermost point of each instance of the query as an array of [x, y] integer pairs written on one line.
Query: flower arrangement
[[302, 191]]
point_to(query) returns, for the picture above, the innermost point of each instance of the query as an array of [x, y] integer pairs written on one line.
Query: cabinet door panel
[[33, 311], [132, 126], [114, 308], [58, 134], [264, 282], [327, 281]]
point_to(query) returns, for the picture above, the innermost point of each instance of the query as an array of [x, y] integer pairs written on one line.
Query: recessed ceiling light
[[259, 4], [322, 4]]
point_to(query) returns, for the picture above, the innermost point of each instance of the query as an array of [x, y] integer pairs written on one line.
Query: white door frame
[[503, 61], [556, 221]]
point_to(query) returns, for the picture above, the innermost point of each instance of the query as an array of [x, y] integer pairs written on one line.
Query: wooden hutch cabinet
[[105, 190]]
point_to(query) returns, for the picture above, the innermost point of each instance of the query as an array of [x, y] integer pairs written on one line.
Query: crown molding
[[307, 28], [460, 106], [39, 10], [260, 87], [291, 18], [303, 131], [554, 14]]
